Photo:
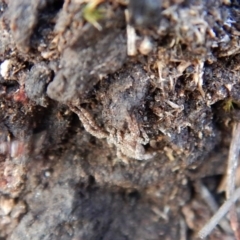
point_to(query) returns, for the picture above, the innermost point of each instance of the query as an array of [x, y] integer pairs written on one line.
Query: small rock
[[4, 68], [18, 210], [6, 205]]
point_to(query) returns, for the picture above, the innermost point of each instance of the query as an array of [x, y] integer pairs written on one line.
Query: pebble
[[4, 68], [6, 205]]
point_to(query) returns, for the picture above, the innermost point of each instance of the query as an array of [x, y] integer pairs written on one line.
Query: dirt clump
[[113, 113]]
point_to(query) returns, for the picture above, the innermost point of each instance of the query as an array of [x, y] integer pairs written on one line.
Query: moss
[[230, 104]]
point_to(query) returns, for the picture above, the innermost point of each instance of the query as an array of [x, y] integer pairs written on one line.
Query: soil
[[115, 115]]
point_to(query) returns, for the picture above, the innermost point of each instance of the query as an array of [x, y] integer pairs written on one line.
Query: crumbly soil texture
[[115, 117]]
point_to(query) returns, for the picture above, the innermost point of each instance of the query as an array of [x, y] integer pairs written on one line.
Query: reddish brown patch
[[20, 96]]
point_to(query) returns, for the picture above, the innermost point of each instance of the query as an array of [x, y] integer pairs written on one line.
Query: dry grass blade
[[231, 176], [233, 160], [211, 224], [210, 201], [230, 194]]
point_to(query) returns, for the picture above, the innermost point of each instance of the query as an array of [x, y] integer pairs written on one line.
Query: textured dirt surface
[[115, 116]]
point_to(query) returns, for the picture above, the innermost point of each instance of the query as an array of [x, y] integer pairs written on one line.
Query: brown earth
[[115, 117]]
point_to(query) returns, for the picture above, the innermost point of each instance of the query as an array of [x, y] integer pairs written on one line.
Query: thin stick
[[233, 160], [211, 224], [234, 221], [231, 176], [230, 194], [210, 201]]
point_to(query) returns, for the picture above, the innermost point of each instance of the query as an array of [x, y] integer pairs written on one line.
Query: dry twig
[[230, 194], [210, 225], [231, 176]]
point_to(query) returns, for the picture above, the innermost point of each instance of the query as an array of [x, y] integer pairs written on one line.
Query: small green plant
[[92, 14], [228, 105]]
